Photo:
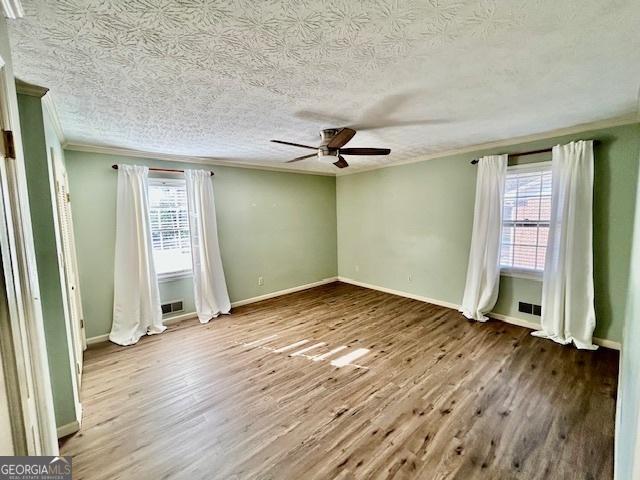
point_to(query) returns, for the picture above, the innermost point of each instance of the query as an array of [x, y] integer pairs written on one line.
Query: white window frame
[[516, 272], [179, 274]]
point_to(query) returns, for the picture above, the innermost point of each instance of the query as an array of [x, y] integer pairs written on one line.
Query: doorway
[[25, 367]]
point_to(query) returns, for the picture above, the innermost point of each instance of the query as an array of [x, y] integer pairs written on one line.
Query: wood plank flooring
[[434, 397]]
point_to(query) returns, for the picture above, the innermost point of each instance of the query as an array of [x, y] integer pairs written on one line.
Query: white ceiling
[[221, 78]]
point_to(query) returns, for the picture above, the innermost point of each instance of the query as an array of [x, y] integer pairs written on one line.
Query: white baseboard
[[97, 339], [299, 288], [68, 429], [413, 296], [167, 321], [71, 427], [515, 321], [186, 316], [179, 318], [603, 342]]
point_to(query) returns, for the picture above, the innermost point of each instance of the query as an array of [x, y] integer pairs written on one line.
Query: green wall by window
[[278, 225], [416, 219]]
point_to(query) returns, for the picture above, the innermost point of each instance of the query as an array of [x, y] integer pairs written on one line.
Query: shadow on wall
[[608, 210]]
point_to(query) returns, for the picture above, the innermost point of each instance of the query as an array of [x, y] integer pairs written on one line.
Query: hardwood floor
[[435, 397]]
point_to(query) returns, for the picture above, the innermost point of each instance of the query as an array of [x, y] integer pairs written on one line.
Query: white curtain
[[568, 313], [136, 299], [483, 272], [210, 288]]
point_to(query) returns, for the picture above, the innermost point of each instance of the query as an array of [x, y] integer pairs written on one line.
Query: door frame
[[24, 354], [68, 269]]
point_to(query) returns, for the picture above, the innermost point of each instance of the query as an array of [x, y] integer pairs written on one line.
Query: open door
[[69, 261]]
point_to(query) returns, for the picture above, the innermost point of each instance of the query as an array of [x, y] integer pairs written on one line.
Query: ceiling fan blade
[[294, 144], [341, 163], [391, 104], [323, 118], [365, 151], [297, 159], [388, 123], [341, 138]]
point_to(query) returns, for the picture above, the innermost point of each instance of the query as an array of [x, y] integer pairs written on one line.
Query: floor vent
[[172, 307], [529, 308]]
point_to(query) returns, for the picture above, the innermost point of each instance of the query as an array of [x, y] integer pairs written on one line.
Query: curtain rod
[[530, 152], [169, 170]]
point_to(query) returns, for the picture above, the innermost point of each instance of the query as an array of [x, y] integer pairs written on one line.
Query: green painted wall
[[178, 289], [628, 421], [416, 219], [281, 226], [36, 142]]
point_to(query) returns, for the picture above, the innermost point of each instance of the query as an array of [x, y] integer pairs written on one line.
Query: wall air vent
[[529, 308], [172, 307]]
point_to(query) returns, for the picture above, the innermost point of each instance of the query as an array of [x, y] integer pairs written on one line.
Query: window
[[169, 227], [526, 216]]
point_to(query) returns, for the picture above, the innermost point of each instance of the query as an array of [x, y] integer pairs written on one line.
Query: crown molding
[[583, 127], [12, 8], [49, 107], [79, 147], [30, 89]]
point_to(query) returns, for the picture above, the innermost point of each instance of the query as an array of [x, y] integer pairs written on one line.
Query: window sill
[[525, 274], [170, 276]]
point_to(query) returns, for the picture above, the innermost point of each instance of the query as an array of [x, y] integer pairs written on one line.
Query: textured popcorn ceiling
[[220, 78]]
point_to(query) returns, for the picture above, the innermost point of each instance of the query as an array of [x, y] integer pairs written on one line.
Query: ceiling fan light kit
[[331, 151], [328, 157]]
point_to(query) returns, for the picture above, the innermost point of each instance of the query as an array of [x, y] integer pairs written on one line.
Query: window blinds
[[527, 210], [169, 227]]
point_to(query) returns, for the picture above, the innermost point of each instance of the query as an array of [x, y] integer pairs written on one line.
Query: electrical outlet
[[357, 268], [260, 281]]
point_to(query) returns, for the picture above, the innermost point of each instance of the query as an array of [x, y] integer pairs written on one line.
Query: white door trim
[[71, 315], [26, 365]]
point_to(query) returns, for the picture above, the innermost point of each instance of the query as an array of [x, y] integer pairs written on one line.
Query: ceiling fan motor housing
[[327, 134], [323, 151]]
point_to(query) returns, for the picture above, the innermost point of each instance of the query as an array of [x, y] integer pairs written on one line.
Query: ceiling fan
[[392, 111], [331, 151]]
